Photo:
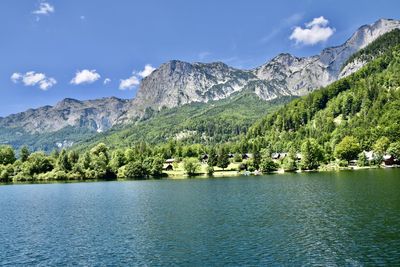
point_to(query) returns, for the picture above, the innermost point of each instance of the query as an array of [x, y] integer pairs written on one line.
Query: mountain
[[364, 105], [229, 119], [208, 123], [176, 83], [97, 115]]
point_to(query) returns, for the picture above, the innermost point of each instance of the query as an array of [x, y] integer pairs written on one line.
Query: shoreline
[[180, 176]]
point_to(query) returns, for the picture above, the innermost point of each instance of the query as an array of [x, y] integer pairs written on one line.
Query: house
[[247, 156], [277, 156], [168, 167], [204, 157], [169, 161], [353, 162], [369, 155], [389, 160]]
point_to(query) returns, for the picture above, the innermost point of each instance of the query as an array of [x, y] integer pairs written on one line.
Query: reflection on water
[[344, 218]]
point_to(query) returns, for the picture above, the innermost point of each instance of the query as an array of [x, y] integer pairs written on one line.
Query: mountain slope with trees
[[363, 107]]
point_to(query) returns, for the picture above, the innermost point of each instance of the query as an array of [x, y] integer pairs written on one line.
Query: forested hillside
[[365, 105], [205, 123]]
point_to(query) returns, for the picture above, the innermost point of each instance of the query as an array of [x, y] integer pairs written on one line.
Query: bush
[[191, 166], [289, 165], [210, 170], [237, 158], [135, 170]]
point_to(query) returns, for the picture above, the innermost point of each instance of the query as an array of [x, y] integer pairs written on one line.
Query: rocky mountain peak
[[177, 83]]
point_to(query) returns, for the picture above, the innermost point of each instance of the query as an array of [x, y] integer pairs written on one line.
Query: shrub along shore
[[143, 162]]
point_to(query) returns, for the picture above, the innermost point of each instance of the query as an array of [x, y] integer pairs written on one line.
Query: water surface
[[341, 218]]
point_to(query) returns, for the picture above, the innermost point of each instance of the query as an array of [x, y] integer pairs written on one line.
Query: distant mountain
[[177, 83], [97, 115]]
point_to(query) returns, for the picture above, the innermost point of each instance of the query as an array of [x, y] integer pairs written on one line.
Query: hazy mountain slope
[[207, 123], [96, 115]]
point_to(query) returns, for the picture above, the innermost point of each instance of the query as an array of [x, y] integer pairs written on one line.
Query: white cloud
[[47, 83], [316, 31], [129, 83], [15, 77], [44, 9], [148, 69], [203, 55], [106, 81], [85, 76], [134, 80], [321, 21], [32, 78]]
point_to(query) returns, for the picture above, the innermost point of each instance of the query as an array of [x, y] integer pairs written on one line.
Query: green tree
[[101, 149], [210, 170], [237, 157], [191, 166], [362, 160], [37, 163], [223, 159], [289, 162], [117, 160], [157, 166], [312, 154], [6, 172], [394, 149], [135, 170], [73, 158], [212, 158], [348, 148], [267, 165], [85, 161], [63, 162], [381, 145], [7, 155], [24, 153], [256, 159]]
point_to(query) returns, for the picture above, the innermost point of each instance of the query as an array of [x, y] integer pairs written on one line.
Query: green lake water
[[348, 218]]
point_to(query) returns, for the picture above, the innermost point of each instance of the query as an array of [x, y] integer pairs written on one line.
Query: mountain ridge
[[176, 83]]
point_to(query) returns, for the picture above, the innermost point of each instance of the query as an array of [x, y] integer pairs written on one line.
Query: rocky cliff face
[[177, 83], [98, 115]]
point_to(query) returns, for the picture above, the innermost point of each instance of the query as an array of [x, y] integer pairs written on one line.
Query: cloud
[[32, 78], [15, 77], [47, 83], [44, 9], [148, 69], [85, 76], [130, 83], [106, 81], [203, 55], [316, 31], [134, 80]]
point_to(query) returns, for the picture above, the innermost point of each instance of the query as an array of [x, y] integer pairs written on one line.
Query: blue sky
[[44, 44]]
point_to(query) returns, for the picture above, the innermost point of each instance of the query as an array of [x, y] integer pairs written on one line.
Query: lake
[[349, 218]]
